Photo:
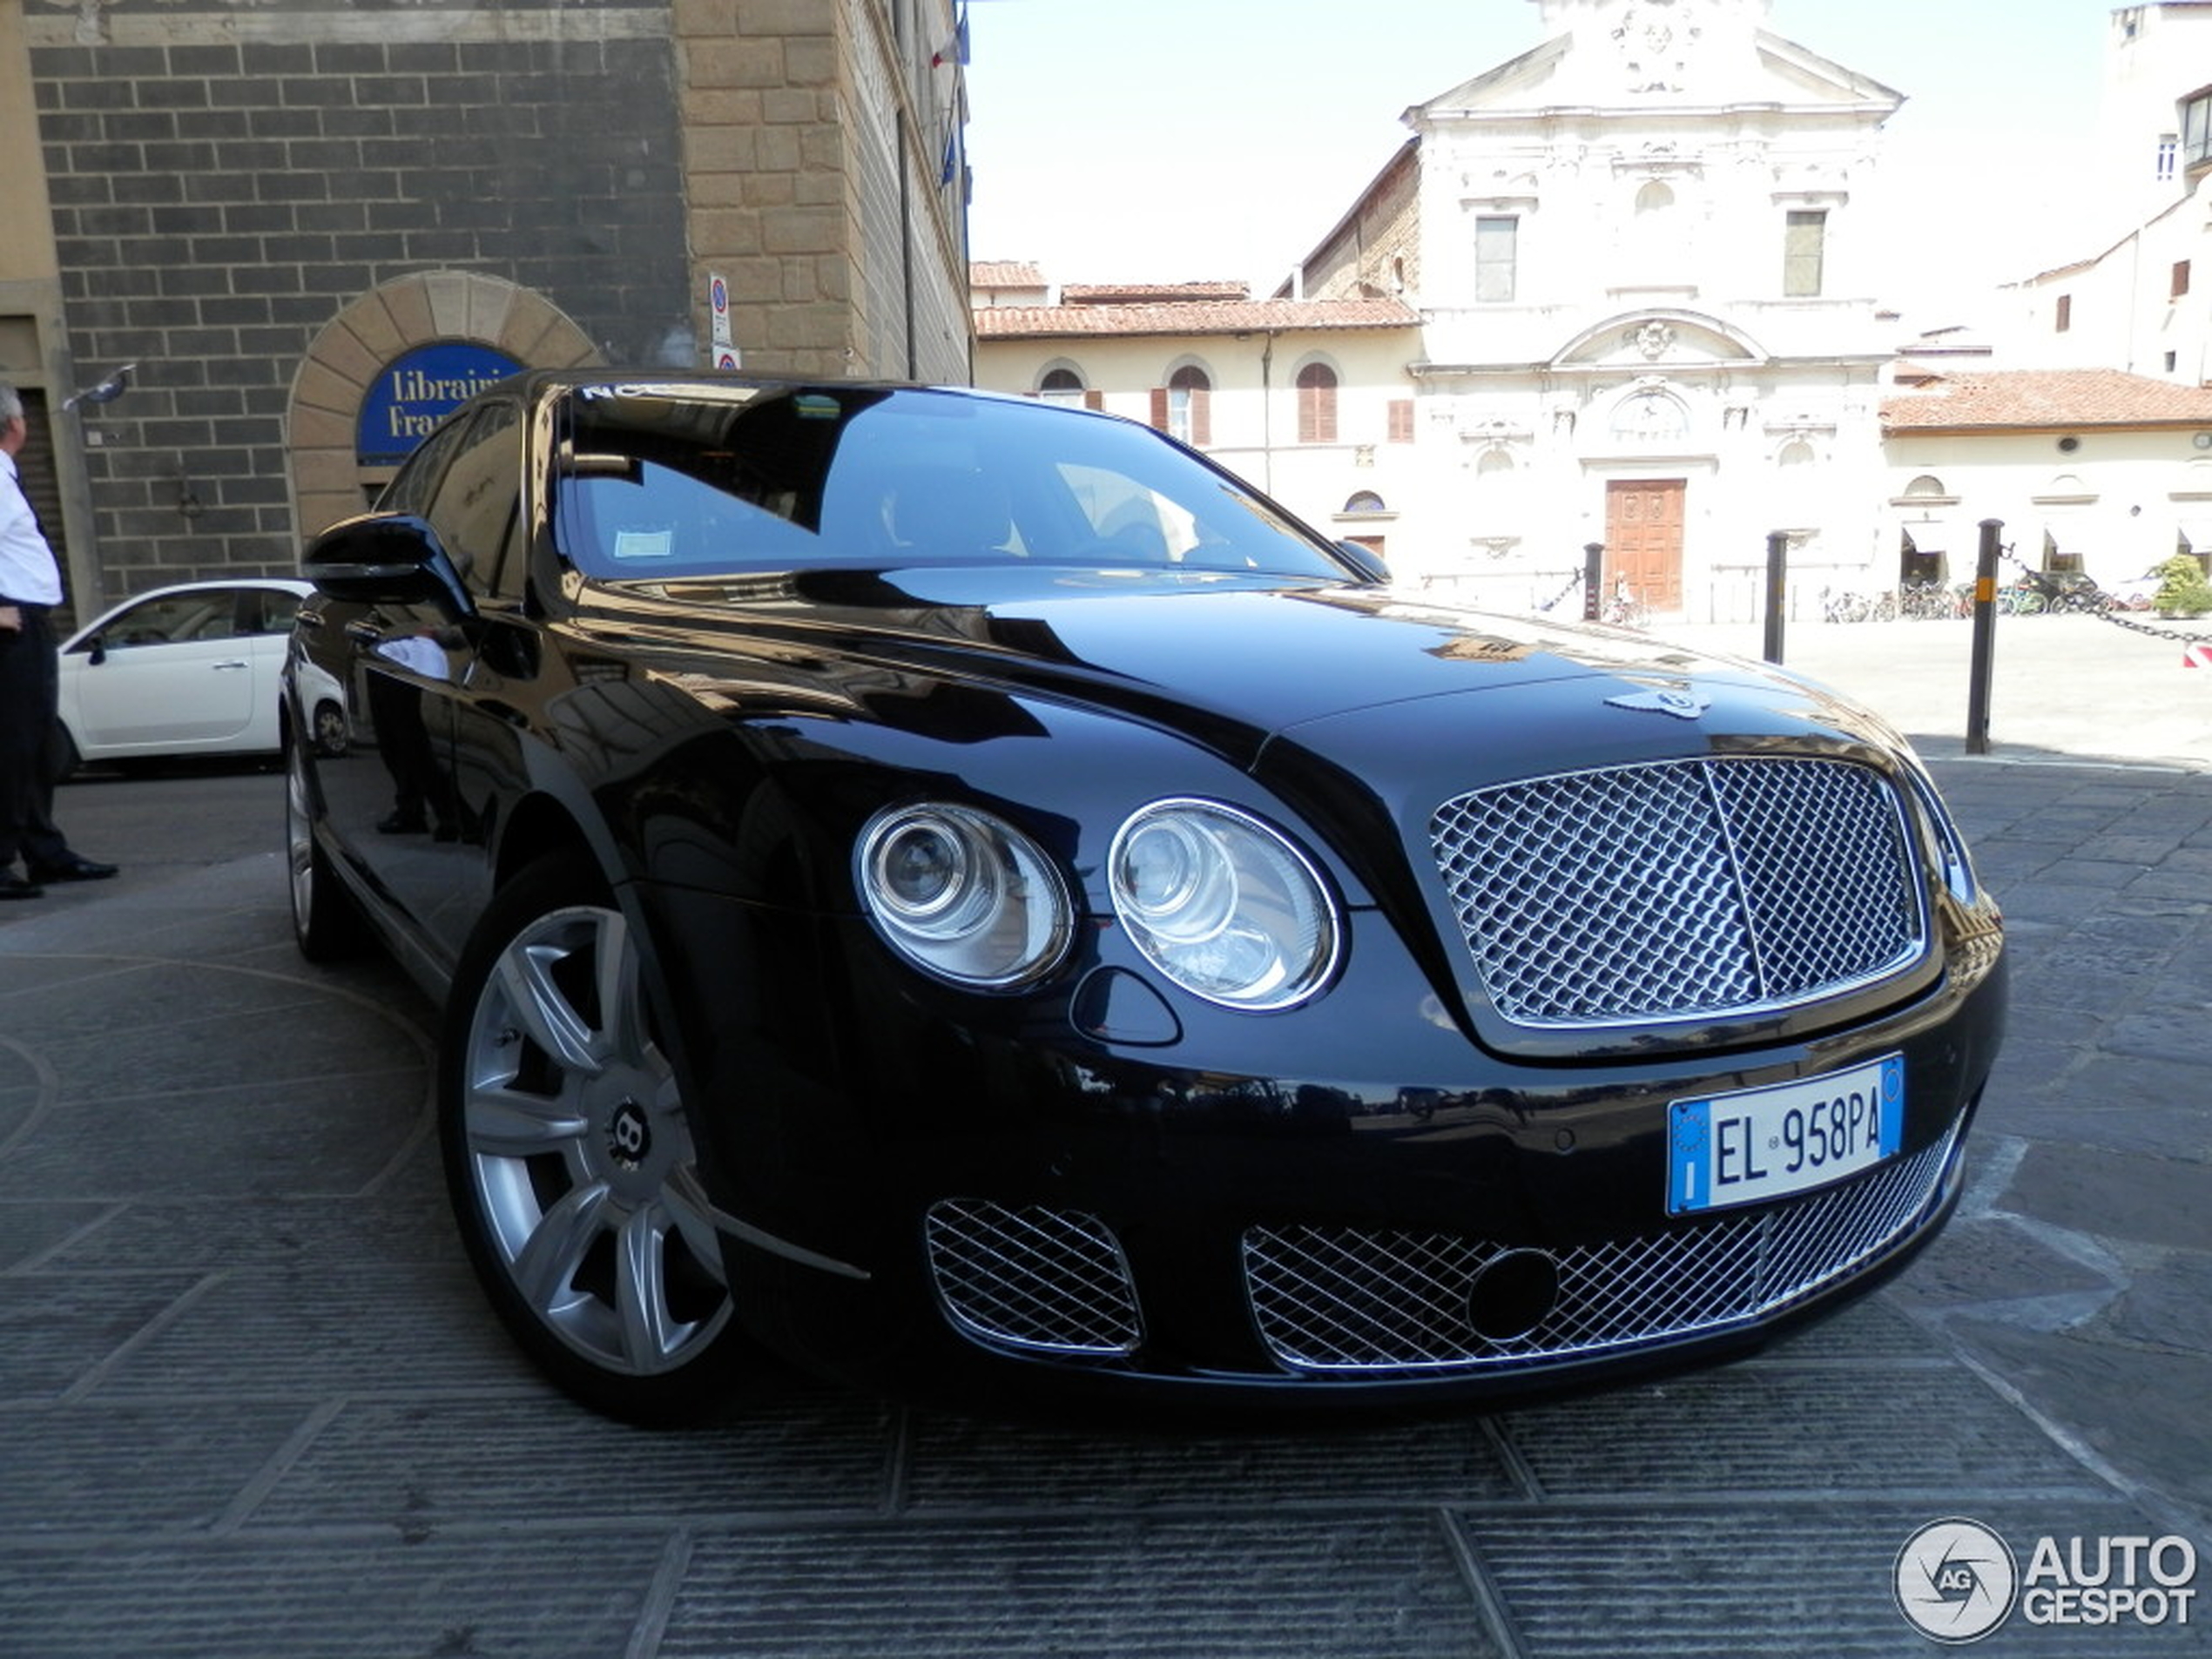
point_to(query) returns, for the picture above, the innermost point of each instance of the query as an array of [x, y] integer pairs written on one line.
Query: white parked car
[[190, 669]]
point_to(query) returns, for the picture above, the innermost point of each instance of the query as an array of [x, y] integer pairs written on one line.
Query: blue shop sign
[[415, 391]]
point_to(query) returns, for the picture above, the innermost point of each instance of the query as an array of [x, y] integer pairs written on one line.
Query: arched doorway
[[345, 368]]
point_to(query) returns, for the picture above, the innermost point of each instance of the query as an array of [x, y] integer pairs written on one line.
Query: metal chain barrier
[[1573, 582], [2180, 635]]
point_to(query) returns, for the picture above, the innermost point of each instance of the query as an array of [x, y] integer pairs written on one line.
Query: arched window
[[1365, 501], [1179, 409], [1795, 453], [1317, 404], [1927, 484], [1654, 199], [1061, 386]]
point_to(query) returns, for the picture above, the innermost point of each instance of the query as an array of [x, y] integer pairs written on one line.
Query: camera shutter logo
[[1955, 1580]]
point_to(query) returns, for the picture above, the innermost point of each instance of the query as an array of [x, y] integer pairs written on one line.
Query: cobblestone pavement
[[250, 1403]]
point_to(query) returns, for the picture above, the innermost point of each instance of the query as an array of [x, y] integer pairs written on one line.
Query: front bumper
[[1029, 1204]]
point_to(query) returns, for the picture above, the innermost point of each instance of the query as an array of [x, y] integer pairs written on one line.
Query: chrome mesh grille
[[1342, 1301], [1680, 889], [1033, 1278]]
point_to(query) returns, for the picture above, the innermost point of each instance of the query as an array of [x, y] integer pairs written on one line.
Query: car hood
[[1237, 662]]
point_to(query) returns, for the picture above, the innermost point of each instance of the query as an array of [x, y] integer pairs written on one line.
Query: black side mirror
[[386, 558]]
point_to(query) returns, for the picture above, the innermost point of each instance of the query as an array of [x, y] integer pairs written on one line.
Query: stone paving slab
[[518, 1596], [1388, 1586]]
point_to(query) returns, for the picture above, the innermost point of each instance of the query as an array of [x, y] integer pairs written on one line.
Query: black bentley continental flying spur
[[959, 889]]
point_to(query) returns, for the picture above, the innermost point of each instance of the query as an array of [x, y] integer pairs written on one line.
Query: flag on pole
[[955, 49]]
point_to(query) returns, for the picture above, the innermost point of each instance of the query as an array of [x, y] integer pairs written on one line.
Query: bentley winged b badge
[[1683, 703]]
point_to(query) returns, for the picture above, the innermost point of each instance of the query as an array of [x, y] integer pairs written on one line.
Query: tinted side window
[[411, 488], [473, 511]]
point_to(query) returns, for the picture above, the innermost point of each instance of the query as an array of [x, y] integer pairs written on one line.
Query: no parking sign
[[725, 353]]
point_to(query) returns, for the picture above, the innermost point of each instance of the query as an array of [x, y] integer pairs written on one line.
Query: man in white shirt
[[30, 586]]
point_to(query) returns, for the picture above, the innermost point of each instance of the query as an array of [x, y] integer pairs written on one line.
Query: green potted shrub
[[2182, 591]]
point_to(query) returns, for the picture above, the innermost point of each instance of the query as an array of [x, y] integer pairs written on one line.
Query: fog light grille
[[1680, 889], [1335, 1299], [1051, 1280]]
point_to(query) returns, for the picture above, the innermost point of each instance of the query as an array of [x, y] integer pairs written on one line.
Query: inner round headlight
[[964, 894], [1223, 904]]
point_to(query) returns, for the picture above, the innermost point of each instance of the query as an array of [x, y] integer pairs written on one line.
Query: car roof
[[288, 584]]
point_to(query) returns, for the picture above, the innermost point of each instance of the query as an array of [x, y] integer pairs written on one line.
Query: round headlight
[[964, 894], [1223, 905]]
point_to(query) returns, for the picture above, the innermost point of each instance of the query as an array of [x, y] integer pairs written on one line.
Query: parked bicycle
[[2060, 590], [1857, 607], [1931, 601], [1624, 609], [1844, 607]]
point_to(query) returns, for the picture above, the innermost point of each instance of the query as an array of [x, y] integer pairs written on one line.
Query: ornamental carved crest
[[1654, 38], [1654, 339]]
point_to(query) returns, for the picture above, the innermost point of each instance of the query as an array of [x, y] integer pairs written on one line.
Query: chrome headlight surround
[[1958, 863], [1225, 906], [963, 894]]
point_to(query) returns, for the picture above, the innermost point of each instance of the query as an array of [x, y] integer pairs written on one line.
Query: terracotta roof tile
[[1199, 317], [2045, 399], [1004, 273]]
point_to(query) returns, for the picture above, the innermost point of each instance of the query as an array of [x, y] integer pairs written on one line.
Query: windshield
[[655, 483]]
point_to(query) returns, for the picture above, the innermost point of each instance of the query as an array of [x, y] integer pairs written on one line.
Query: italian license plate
[[1758, 1144]]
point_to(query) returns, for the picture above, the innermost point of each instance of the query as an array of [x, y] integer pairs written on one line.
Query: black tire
[[327, 924], [570, 1161]]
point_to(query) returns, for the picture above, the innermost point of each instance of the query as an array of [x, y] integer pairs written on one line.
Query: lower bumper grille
[[1339, 1300], [1049, 1280]]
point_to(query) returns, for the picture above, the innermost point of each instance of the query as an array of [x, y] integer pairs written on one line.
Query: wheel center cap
[[630, 1135]]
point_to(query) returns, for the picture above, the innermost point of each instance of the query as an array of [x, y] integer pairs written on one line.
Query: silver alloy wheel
[[579, 1156]]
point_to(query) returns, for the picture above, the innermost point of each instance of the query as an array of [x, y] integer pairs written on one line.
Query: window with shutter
[[1317, 404], [1187, 415], [1401, 419]]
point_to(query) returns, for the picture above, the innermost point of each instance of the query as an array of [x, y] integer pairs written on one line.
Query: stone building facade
[[2089, 470], [1308, 399], [311, 225]]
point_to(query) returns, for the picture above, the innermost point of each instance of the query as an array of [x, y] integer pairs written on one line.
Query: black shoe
[[14, 887], [403, 824], [73, 868]]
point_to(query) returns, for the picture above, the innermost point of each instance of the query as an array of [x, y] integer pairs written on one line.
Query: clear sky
[[1174, 140]]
